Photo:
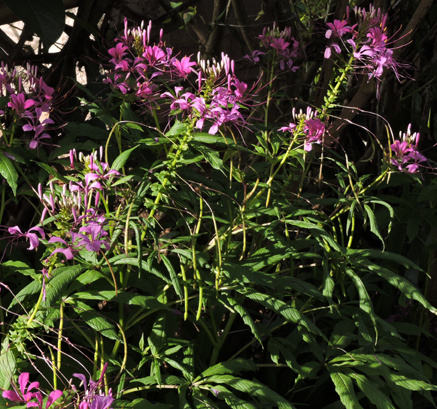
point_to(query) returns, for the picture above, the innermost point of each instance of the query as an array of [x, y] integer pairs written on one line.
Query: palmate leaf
[[402, 398], [372, 391], [282, 345], [95, 320], [32, 288], [231, 399], [173, 275], [280, 307], [373, 225], [139, 403], [122, 297], [344, 388], [401, 283], [252, 388], [62, 276], [365, 301], [247, 319], [234, 366], [164, 327]]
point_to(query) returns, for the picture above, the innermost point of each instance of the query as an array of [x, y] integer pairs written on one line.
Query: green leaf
[[145, 266], [177, 129], [230, 398], [228, 367], [18, 267], [164, 327], [173, 275], [411, 384], [139, 403], [247, 319], [30, 289], [373, 225], [212, 157], [45, 17], [344, 388], [62, 276], [282, 345], [364, 298], [52, 171], [7, 170], [289, 313], [95, 320], [121, 159], [402, 398], [253, 388], [7, 365], [401, 283], [372, 391], [143, 301]]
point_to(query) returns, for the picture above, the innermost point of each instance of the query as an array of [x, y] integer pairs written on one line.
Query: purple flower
[[406, 156], [32, 237], [338, 29], [94, 398], [20, 104], [93, 231], [67, 252], [313, 128]]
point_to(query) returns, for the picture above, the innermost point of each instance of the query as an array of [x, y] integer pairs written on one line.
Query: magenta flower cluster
[[277, 46], [368, 40], [146, 72], [405, 155], [71, 205], [217, 100], [25, 394], [30, 102], [311, 127], [75, 208], [93, 397], [140, 68]]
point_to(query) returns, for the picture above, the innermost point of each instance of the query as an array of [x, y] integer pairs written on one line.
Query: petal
[[82, 377], [11, 395], [23, 379], [34, 243], [66, 252], [40, 230], [53, 397]]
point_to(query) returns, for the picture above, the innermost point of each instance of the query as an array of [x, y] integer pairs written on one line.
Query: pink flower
[[26, 395], [52, 398], [20, 104], [117, 53], [183, 67]]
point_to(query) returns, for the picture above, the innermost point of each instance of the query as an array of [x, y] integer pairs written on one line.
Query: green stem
[[61, 326], [272, 175], [217, 348], [55, 378], [2, 205], [332, 95], [38, 303], [166, 179]]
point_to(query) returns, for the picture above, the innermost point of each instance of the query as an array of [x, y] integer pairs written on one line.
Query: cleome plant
[[201, 240]]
